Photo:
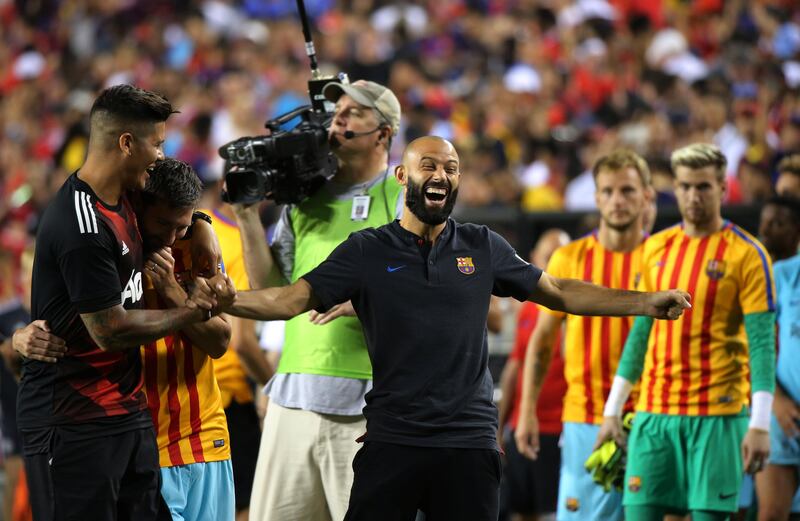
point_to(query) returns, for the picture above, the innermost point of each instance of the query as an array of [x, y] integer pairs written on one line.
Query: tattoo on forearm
[[101, 326], [115, 328]]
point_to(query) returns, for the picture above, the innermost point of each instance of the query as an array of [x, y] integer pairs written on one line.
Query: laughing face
[[145, 150], [430, 171]]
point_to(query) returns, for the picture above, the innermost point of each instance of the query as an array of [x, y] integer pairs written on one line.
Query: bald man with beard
[[421, 287]]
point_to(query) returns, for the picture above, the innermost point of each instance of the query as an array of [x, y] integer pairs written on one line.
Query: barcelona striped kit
[[593, 345], [182, 391], [698, 364]]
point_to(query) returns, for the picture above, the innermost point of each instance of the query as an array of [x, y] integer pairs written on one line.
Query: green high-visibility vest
[[320, 224]]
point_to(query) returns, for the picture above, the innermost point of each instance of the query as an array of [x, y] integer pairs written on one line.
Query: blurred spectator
[[779, 229], [788, 182], [14, 314], [755, 182]]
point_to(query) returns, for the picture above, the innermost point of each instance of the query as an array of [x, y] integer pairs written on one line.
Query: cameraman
[[316, 396]]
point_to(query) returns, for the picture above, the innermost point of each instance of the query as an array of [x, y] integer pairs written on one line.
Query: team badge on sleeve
[[634, 483], [465, 265], [573, 504], [715, 269]]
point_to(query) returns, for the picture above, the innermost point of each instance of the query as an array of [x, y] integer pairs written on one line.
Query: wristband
[[761, 411], [201, 216], [197, 215], [620, 390]]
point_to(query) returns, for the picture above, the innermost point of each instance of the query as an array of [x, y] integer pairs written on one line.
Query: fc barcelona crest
[[465, 265], [715, 269]]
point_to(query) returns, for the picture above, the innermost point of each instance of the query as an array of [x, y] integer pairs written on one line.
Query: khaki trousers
[[304, 470]]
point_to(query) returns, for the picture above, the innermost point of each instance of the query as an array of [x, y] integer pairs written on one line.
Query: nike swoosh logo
[[726, 496], [392, 270]]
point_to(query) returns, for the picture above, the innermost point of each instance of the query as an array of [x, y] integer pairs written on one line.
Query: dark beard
[[415, 201]]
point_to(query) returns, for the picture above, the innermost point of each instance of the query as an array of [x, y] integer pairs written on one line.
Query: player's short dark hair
[[132, 104], [790, 203], [173, 182]]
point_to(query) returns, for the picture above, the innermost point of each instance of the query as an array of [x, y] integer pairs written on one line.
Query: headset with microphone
[[349, 134]]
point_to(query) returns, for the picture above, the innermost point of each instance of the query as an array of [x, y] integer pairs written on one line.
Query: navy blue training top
[[423, 309]]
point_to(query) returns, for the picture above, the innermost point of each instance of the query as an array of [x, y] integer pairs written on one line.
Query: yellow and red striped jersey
[[593, 345], [182, 391], [699, 364], [228, 368]]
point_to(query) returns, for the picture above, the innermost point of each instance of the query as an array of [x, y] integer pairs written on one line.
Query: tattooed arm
[[537, 362], [115, 328]]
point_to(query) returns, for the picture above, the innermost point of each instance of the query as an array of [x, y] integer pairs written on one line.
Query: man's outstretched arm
[[281, 303], [582, 298]]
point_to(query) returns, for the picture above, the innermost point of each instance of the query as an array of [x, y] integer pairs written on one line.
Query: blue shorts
[[579, 497], [783, 450], [199, 491]]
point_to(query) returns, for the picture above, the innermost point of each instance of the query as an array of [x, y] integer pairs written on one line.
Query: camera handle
[[275, 124]]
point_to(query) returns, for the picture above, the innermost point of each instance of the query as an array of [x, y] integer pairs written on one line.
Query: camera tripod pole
[[317, 82], [310, 51]]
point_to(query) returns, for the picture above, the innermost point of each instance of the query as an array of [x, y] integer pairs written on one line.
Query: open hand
[[35, 341], [668, 305], [344, 309]]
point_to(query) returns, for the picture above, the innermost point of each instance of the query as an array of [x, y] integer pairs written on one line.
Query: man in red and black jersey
[[87, 436]]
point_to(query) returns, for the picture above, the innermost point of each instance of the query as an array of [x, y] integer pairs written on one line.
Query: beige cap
[[369, 94]]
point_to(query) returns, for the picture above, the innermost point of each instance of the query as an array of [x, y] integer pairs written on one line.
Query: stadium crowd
[[532, 94]]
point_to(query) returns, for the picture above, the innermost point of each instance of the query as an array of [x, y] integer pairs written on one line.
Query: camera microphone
[[349, 134]]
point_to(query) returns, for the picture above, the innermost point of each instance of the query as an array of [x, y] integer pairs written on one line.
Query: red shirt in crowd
[[548, 408]]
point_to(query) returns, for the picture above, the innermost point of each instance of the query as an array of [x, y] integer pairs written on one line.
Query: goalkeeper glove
[[607, 463]]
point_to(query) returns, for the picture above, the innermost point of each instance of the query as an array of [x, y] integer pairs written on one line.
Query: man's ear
[[383, 135], [400, 174], [125, 143]]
